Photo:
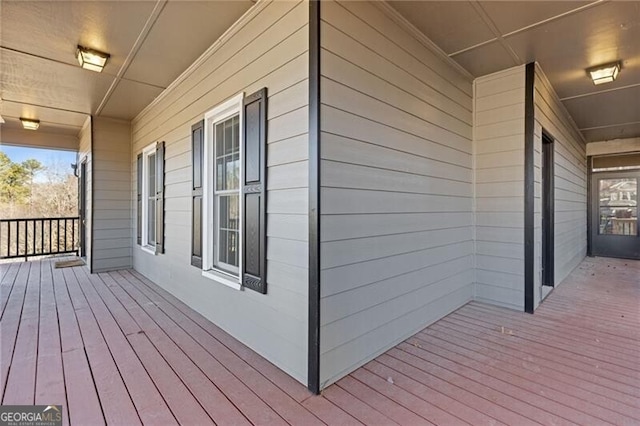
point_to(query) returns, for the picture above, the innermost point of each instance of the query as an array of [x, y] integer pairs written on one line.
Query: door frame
[[548, 210], [82, 207]]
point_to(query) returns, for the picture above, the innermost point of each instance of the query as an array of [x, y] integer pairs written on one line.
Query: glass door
[[615, 214]]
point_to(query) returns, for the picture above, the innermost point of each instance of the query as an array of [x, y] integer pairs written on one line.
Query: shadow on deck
[[115, 348]]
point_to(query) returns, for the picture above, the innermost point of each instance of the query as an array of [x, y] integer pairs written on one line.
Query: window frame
[[221, 113], [148, 151]]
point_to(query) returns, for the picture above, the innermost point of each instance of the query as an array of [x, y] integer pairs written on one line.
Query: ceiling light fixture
[[604, 73], [90, 59], [29, 123]]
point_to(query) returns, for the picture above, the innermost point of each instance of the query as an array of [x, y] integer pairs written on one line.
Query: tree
[[13, 180], [32, 167]]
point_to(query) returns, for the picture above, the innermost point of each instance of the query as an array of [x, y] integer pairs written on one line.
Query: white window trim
[[221, 112], [146, 152]]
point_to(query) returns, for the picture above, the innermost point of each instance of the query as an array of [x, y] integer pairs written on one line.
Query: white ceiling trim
[[565, 112], [230, 32], [556, 17], [583, 95], [528, 27], [20, 137], [614, 146], [496, 32], [419, 35], [153, 17], [607, 126]]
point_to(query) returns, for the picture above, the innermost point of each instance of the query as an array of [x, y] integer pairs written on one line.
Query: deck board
[[9, 273], [149, 403], [270, 371], [82, 397], [114, 348], [116, 404], [10, 323], [554, 362], [21, 382], [50, 377], [273, 397], [533, 381]]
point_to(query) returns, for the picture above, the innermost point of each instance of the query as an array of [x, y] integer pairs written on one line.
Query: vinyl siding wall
[[396, 186], [570, 184], [499, 175], [111, 170], [85, 154], [266, 48]]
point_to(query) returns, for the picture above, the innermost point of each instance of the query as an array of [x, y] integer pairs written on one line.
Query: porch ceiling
[[150, 42], [566, 38]]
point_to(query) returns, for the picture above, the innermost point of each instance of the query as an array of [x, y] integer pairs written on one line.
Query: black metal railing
[[38, 236]]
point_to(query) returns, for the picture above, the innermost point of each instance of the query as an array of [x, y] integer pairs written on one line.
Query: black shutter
[[139, 237], [254, 191], [197, 164], [160, 197]]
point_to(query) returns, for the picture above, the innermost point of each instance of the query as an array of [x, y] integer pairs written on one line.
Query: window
[[151, 198], [222, 247], [226, 191], [229, 196]]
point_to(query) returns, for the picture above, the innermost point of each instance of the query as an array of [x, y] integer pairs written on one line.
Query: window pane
[[618, 206], [223, 217], [234, 212], [228, 136], [151, 223], [222, 249], [152, 174], [232, 247], [232, 169], [236, 134], [219, 139], [228, 225], [220, 174]]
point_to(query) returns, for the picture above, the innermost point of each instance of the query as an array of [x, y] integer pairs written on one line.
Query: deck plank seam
[[204, 330]]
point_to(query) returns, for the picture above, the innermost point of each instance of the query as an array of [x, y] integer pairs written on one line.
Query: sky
[[18, 154]]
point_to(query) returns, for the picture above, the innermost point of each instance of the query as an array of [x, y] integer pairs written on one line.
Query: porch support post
[[313, 362], [529, 188], [589, 206]]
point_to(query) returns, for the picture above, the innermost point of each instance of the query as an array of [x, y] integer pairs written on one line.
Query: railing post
[[26, 240]]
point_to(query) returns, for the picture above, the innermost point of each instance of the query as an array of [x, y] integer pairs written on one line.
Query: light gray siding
[[85, 154], [499, 174], [111, 171], [570, 185], [396, 185], [268, 47]]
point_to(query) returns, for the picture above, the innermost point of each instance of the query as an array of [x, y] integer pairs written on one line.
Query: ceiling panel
[[620, 106], [183, 31], [512, 15], [452, 25], [48, 115], [610, 133], [566, 47], [45, 127], [53, 29], [33, 80], [485, 59], [128, 99]]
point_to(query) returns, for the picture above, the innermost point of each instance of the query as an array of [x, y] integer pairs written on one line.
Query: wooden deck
[[115, 348]]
